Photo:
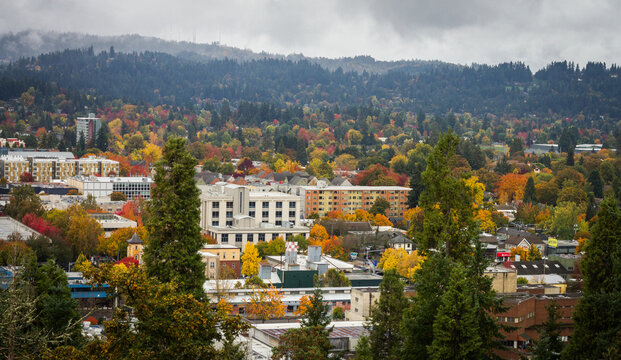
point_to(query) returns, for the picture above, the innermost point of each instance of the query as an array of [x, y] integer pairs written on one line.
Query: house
[[398, 240], [525, 240]]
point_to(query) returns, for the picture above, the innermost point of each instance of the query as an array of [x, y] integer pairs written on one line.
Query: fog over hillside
[[32, 43]]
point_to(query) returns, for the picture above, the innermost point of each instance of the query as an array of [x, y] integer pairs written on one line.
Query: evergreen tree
[[102, 137], [431, 281], [530, 194], [598, 314], [311, 341], [449, 223], [81, 146], [596, 182], [570, 157], [516, 146], [385, 337], [503, 167], [174, 230], [591, 209], [549, 346], [455, 331]]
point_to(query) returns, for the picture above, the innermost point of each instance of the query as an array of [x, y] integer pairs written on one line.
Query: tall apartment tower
[[88, 127]]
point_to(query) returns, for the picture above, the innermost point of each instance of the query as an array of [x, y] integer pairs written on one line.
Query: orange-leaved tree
[[511, 187], [265, 303]]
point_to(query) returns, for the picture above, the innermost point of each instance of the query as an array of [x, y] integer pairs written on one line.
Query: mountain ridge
[[30, 43]]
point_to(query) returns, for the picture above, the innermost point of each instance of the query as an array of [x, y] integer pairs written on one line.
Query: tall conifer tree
[[598, 314], [175, 234]]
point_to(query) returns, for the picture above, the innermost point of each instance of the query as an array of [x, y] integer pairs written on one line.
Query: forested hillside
[[157, 78]]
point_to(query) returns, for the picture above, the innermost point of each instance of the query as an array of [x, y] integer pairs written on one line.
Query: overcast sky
[[533, 31]]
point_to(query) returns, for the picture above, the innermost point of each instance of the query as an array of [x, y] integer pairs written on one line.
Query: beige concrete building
[[236, 215], [11, 167], [361, 301], [504, 279]]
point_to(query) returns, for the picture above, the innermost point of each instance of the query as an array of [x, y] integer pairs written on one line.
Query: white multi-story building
[[87, 127], [234, 214], [131, 187]]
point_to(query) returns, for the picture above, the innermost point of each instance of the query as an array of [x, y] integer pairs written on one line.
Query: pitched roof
[[517, 239], [135, 240]]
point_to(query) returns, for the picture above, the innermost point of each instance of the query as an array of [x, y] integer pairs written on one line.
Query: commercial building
[[235, 215], [87, 127], [221, 261], [46, 168], [131, 187], [347, 199]]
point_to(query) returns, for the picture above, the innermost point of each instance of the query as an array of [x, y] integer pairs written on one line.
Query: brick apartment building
[[527, 311]]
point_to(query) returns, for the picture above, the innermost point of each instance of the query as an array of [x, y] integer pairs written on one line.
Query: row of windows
[[264, 214], [250, 237], [253, 205]]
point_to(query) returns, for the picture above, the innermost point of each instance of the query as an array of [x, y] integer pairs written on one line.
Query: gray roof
[[9, 226], [134, 240]]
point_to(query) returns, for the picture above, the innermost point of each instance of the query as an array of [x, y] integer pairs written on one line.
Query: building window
[[278, 214], [292, 214], [238, 238], [212, 264], [229, 223], [215, 223], [229, 204], [229, 214], [278, 204], [250, 237], [215, 214], [261, 237], [225, 238], [252, 204], [291, 204], [266, 205], [251, 213], [274, 236], [215, 205], [266, 214], [278, 222]]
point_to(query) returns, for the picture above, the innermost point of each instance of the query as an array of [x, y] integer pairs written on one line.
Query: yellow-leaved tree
[[250, 260], [405, 264], [265, 303], [317, 235]]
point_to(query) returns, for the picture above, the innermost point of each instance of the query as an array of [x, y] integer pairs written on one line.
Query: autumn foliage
[[511, 187]]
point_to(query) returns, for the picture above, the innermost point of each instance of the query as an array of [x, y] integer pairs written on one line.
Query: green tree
[[591, 209], [118, 196], [174, 230], [596, 182], [332, 278], [516, 146], [380, 205], [549, 346], [311, 340], [102, 137], [530, 194], [563, 220], [385, 337], [598, 314], [57, 310], [455, 330], [449, 223], [23, 200]]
